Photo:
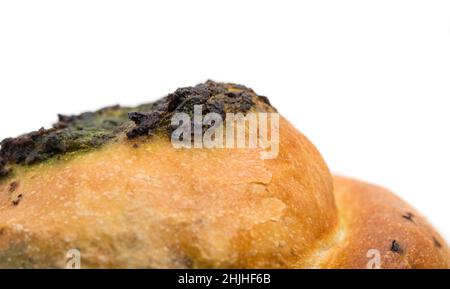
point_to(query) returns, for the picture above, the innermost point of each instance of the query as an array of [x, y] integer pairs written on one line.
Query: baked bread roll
[[111, 185]]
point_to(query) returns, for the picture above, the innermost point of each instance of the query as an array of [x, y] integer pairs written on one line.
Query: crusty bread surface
[[138, 202]]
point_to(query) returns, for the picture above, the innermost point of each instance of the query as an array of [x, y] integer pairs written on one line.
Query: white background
[[367, 81]]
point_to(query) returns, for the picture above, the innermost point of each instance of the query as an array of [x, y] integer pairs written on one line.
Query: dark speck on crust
[[437, 243], [16, 200], [185, 262], [408, 216], [13, 187], [396, 247]]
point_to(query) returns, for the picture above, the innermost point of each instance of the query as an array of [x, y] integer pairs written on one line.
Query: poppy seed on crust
[[396, 247]]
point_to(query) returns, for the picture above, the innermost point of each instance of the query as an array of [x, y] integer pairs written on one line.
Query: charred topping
[[69, 134], [214, 97], [3, 169], [93, 129], [396, 247]]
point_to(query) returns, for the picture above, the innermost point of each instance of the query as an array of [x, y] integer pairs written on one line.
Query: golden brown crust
[[144, 204], [373, 218], [155, 206]]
